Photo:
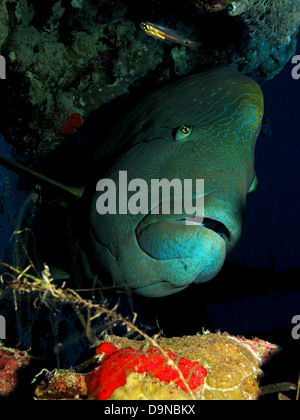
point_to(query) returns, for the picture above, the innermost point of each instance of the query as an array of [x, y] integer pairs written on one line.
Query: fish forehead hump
[[201, 99], [225, 109]]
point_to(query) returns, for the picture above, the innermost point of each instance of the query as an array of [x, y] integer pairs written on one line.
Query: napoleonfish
[[203, 126]]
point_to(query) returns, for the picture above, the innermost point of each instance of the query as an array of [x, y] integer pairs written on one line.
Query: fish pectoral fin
[[254, 184]]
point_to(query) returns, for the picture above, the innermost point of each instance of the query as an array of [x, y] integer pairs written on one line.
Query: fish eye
[[183, 132]]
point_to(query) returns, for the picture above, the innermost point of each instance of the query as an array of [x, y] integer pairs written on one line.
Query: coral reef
[[11, 361], [60, 384], [272, 27], [213, 5], [119, 363], [209, 366], [71, 57], [57, 79], [4, 27], [269, 20]]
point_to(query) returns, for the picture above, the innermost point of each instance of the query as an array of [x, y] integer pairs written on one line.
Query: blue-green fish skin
[[159, 256]]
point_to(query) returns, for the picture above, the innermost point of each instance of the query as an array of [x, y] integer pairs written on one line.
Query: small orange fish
[[167, 35]]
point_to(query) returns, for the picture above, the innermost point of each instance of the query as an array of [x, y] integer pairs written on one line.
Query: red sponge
[[117, 364]]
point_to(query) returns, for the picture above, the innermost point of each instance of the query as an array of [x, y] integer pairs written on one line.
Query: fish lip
[[212, 224], [172, 289], [218, 227]]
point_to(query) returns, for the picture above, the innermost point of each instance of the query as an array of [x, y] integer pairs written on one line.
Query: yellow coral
[[144, 386]]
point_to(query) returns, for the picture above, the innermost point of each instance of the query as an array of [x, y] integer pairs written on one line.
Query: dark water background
[[271, 232]]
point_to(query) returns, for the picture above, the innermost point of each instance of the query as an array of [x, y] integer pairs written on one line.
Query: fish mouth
[[217, 227], [159, 235]]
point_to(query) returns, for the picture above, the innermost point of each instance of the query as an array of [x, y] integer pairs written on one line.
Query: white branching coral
[[272, 29], [278, 19]]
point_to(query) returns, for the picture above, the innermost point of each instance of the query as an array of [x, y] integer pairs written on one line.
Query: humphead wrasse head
[[203, 127]]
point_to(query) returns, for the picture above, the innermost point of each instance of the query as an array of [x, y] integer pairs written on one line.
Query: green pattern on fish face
[[202, 127]]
